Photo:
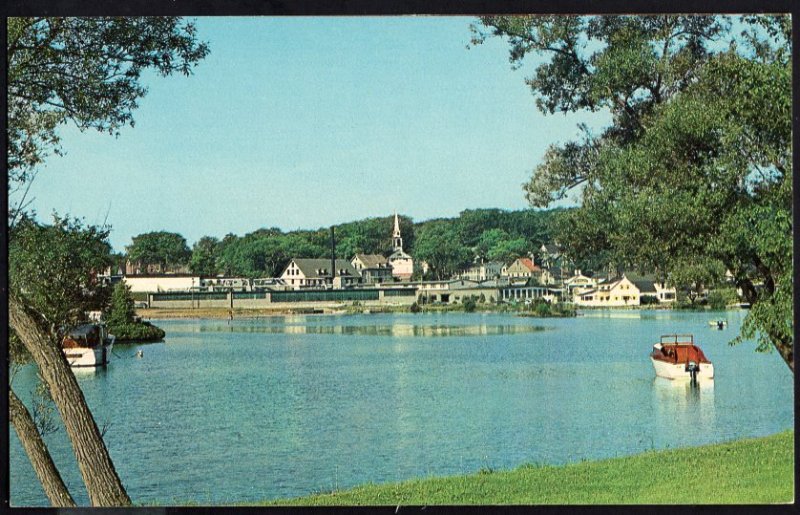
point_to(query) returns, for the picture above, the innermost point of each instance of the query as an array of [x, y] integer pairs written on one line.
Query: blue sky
[[308, 122]]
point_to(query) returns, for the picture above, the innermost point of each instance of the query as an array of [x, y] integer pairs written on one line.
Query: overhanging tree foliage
[[53, 282], [85, 71], [693, 176]]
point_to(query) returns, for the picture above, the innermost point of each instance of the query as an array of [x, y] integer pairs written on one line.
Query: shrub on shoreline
[[123, 323], [136, 332]]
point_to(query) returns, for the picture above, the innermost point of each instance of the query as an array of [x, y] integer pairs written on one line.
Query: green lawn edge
[[749, 471]]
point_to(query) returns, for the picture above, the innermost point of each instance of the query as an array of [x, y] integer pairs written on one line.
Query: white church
[[402, 264]]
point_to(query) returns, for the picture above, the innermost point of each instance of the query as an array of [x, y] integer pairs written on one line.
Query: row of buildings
[[519, 281]]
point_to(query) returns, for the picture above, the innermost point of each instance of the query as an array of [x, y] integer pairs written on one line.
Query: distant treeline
[[447, 245]]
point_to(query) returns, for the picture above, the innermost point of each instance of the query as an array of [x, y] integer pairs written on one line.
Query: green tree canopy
[[159, 248], [438, 245], [498, 245], [87, 71], [501, 235], [204, 256], [121, 310], [695, 169], [54, 268]]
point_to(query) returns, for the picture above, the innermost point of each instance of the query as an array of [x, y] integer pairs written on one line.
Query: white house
[[303, 273], [615, 293], [522, 267], [649, 287], [483, 271], [579, 283], [373, 268]]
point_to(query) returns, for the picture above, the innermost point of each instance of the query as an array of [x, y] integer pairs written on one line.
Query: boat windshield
[[677, 339]]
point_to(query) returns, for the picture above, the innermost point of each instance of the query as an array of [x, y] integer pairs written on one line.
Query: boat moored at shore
[[88, 345]]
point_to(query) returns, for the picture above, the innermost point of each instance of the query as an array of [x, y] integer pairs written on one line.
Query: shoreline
[[751, 470], [224, 313]]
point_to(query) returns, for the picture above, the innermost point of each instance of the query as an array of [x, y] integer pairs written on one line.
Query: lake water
[[287, 406]]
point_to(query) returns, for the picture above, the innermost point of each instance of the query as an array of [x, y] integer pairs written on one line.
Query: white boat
[[677, 357], [88, 345], [719, 324]]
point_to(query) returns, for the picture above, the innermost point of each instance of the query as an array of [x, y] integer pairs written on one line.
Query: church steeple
[[397, 240]]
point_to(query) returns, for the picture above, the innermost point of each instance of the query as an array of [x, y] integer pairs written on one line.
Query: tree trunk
[[100, 477], [786, 350], [37, 452]]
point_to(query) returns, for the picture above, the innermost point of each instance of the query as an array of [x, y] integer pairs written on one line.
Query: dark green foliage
[[720, 298], [122, 308], [693, 176], [438, 245], [542, 309], [372, 236], [415, 308], [54, 269], [469, 305], [448, 245], [647, 300], [166, 249], [204, 256], [122, 322], [137, 332], [266, 252], [498, 245], [716, 301]]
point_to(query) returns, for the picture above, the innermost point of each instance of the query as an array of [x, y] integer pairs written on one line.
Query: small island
[[123, 322]]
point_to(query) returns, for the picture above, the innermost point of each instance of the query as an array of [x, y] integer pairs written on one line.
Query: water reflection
[[680, 404], [395, 330], [89, 371], [300, 418], [614, 314]]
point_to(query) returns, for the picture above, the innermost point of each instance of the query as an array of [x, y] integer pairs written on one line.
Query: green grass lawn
[[753, 471]]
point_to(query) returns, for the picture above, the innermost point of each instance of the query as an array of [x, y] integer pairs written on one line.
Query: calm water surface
[[281, 407]]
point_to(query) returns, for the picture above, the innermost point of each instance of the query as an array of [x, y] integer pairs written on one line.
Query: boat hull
[[678, 370], [89, 356]]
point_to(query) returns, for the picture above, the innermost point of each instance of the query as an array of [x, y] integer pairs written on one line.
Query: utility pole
[[333, 255]]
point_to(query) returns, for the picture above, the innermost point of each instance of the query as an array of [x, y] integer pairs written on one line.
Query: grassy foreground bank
[[752, 471]]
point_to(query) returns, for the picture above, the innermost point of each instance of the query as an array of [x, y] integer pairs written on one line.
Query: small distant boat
[[719, 324], [88, 345], [677, 357]]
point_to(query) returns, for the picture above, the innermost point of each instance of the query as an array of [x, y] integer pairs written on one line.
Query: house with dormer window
[[522, 267], [373, 268], [617, 292], [303, 273]]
